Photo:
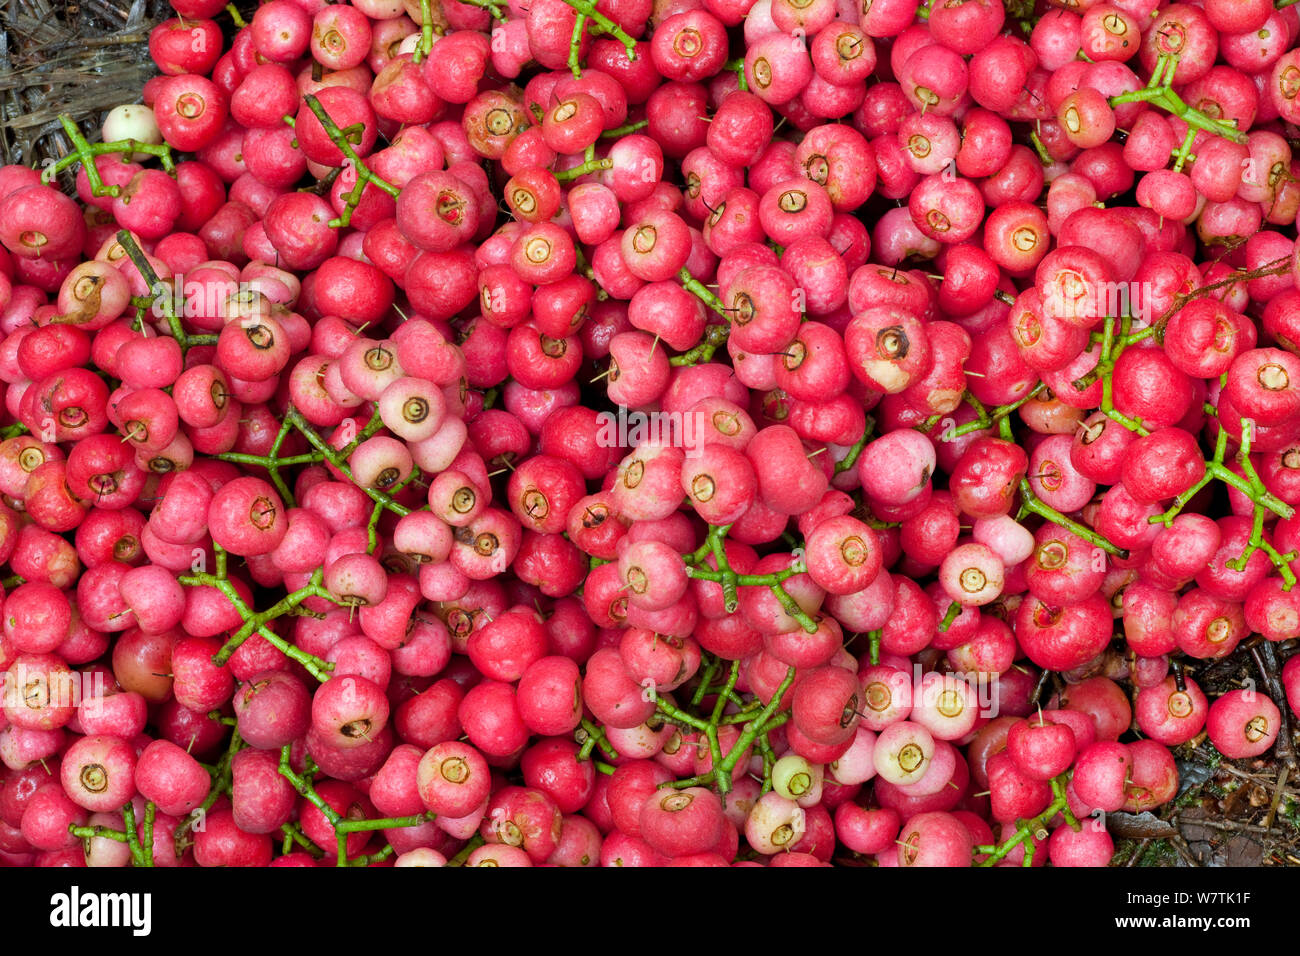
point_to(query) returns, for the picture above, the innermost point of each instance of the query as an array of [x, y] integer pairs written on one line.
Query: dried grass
[[80, 57]]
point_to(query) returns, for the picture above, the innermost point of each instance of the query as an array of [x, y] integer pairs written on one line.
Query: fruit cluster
[[706, 432]]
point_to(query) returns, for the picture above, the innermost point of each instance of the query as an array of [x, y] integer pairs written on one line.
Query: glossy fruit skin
[[483, 579], [1102, 770], [1243, 722], [1063, 637], [246, 516], [1041, 750], [985, 478], [272, 709], [167, 775]]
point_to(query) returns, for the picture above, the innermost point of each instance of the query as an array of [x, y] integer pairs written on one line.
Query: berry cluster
[[710, 432]]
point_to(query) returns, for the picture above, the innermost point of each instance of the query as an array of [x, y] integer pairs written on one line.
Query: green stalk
[[91, 832], [1033, 828], [730, 602], [575, 45], [364, 175], [702, 292], [293, 834], [339, 460], [256, 622], [84, 152], [702, 691], [305, 789], [732, 676], [737, 66], [792, 608], [715, 336], [855, 450], [459, 859], [492, 8], [626, 129], [132, 835], [1030, 503], [603, 24], [953, 612], [587, 166], [146, 850], [595, 738], [426, 32], [760, 724], [141, 263]]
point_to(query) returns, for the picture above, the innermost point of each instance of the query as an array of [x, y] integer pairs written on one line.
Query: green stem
[[792, 608], [1040, 148], [855, 450], [603, 24], [132, 835], [1035, 827], [364, 175], [1184, 152], [293, 834], [273, 470], [1031, 503], [575, 45], [376, 857], [596, 738], [339, 459], [743, 716], [954, 610], [732, 676], [492, 8], [702, 292], [459, 859], [769, 760], [737, 66], [588, 166], [618, 132], [1262, 498], [426, 32], [91, 832], [715, 538], [385, 823], [1167, 518], [157, 289], [722, 779], [679, 716], [715, 336], [372, 527], [84, 152], [1058, 791], [256, 622], [702, 691], [306, 790], [146, 850], [1159, 92], [759, 725]]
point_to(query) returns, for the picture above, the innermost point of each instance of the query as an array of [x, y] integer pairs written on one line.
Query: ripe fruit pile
[[630, 433]]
